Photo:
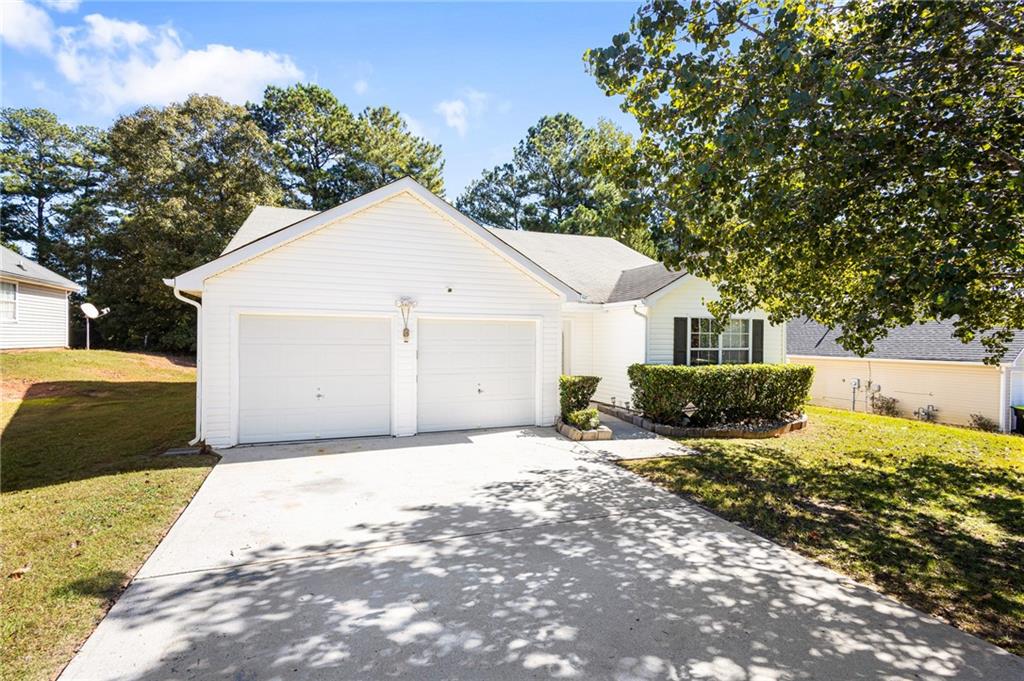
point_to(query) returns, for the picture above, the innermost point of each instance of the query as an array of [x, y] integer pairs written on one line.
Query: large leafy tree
[[37, 170], [327, 155], [567, 178], [182, 179], [858, 162]]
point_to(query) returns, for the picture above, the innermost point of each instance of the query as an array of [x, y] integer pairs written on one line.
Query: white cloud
[[361, 86], [117, 64], [62, 5], [467, 109], [455, 114], [419, 128], [108, 34], [25, 27]]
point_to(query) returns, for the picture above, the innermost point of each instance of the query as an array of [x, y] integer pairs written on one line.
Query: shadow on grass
[[942, 536], [73, 430], [106, 584]]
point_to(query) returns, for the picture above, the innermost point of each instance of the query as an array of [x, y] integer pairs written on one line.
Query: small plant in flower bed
[[575, 393], [584, 419], [722, 394]]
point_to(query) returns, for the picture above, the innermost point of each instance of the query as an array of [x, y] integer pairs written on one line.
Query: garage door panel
[[475, 374], [313, 377]]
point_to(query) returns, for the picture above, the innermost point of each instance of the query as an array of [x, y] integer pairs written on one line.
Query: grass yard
[[85, 498], [933, 515]]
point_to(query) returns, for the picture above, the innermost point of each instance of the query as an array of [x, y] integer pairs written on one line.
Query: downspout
[[1004, 398], [641, 309], [199, 358]]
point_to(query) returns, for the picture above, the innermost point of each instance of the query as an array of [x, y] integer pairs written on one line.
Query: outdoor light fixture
[[405, 305]]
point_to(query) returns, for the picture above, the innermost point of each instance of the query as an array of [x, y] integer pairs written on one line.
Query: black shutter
[[680, 337], [757, 342]]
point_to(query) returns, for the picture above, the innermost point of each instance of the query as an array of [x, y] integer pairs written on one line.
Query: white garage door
[[302, 378], [475, 374]]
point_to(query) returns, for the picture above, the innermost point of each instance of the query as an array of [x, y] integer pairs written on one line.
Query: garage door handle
[[479, 389]]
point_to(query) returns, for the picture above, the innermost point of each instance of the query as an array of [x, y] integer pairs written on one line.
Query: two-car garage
[[311, 377]]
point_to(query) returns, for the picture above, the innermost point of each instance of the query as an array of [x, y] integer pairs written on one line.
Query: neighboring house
[[921, 365], [302, 335], [33, 304]]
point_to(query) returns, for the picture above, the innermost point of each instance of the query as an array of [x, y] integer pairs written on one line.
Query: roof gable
[[16, 266], [193, 279]]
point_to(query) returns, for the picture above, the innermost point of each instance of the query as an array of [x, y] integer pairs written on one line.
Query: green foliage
[[584, 419], [566, 178], [575, 392], [329, 156], [726, 393], [184, 178], [884, 405], [982, 422], [859, 163], [49, 172]]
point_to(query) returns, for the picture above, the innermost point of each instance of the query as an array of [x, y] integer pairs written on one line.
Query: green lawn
[[85, 495], [933, 515]]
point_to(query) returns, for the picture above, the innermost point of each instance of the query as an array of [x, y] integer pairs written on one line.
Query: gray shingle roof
[[928, 341], [601, 268], [19, 267], [641, 282], [262, 221]]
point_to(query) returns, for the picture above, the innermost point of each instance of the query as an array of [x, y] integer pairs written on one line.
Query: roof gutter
[[199, 358]]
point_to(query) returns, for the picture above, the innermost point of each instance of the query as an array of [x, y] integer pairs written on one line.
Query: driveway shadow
[[553, 577]]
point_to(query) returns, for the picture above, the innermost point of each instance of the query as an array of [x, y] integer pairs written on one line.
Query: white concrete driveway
[[507, 554]]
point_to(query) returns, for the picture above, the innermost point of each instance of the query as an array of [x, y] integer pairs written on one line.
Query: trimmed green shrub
[[575, 393], [725, 393], [584, 419]]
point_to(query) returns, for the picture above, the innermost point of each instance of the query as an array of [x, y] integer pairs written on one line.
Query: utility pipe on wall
[[199, 359]]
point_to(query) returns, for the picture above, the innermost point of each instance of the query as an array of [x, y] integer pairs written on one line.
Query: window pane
[[8, 295], [699, 357], [734, 357], [737, 334], [702, 335]]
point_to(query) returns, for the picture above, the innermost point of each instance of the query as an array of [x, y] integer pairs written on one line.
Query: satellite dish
[[89, 310]]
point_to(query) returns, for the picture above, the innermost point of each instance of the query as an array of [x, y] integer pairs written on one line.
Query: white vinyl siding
[[618, 342], [41, 318], [687, 300], [956, 390], [360, 265]]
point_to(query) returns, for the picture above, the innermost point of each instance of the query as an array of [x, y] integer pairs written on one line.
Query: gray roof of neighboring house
[[17, 266], [601, 268], [262, 221], [927, 341]]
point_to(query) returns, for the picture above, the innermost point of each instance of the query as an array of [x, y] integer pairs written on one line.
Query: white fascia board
[[950, 362], [6, 276], [192, 281]]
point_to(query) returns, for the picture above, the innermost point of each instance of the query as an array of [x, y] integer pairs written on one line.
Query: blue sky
[[469, 76]]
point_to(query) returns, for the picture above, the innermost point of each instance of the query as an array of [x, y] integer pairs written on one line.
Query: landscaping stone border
[[574, 433], [630, 416]]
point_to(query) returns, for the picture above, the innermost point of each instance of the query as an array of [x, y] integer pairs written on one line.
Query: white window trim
[[691, 348], [17, 298]]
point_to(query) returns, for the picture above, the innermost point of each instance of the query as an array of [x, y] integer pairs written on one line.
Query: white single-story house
[[923, 366], [394, 314], [33, 304]]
